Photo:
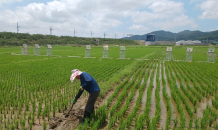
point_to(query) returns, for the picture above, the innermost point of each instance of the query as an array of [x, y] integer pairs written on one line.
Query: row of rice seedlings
[[209, 116], [190, 90], [121, 112], [194, 79], [174, 87], [126, 123], [167, 98], [208, 89], [124, 93], [184, 100], [156, 119], [118, 89], [188, 93], [144, 118]]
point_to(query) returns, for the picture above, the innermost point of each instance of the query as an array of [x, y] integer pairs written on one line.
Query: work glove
[[74, 101]]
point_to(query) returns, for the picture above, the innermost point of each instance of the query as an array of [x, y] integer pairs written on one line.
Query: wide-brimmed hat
[[74, 72]]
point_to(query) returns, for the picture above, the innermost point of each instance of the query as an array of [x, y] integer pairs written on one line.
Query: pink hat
[[74, 72]]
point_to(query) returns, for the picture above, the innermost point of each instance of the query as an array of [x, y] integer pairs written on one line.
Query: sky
[[107, 18]]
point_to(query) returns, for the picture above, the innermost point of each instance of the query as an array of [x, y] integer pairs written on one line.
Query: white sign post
[[105, 52], [122, 52], [24, 50], [37, 50], [211, 54], [88, 51], [189, 54], [49, 50], [168, 53]]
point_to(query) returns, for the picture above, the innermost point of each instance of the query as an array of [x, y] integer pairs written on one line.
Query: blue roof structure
[[151, 37]]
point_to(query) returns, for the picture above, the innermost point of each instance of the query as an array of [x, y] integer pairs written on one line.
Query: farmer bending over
[[90, 85]]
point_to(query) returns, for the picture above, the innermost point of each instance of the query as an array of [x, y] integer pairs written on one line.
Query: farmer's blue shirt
[[88, 83]]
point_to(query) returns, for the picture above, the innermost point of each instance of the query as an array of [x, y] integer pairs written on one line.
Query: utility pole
[[74, 32], [91, 34], [17, 27], [115, 35], [104, 35], [51, 30]]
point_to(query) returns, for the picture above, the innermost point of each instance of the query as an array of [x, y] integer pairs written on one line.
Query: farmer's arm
[[79, 93], [85, 80]]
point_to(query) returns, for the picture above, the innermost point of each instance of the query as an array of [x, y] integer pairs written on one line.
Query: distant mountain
[[183, 35]]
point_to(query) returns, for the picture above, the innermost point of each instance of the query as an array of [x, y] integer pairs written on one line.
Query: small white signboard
[[25, 45], [211, 49], [88, 47], [37, 46], [49, 46], [189, 49], [169, 49], [122, 48], [105, 47]]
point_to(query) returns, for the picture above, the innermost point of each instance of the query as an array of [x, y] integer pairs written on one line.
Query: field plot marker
[[105, 51], [88, 52], [168, 53], [37, 50], [24, 50], [189, 54], [211, 54], [49, 50]]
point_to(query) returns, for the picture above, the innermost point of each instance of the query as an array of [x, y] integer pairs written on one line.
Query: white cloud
[[138, 27], [193, 1], [181, 20], [210, 10], [98, 16], [214, 29], [8, 1]]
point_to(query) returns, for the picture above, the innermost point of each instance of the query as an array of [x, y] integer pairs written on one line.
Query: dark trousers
[[89, 109]]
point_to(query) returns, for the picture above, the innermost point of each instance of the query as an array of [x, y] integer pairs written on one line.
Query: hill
[[183, 35]]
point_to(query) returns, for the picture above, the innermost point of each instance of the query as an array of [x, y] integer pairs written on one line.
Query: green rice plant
[[190, 123], [176, 121], [44, 125], [197, 126], [29, 117], [86, 124]]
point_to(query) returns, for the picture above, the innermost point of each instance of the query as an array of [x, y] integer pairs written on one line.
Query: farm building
[[182, 42], [150, 39], [188, 42], [197, 42]]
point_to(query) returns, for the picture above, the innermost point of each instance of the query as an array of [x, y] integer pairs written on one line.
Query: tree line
[[18, 39]]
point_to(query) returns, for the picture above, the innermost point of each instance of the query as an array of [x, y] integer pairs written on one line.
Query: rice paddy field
[[142, 91]]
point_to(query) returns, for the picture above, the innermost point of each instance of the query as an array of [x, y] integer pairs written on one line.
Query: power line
[[74, 32]]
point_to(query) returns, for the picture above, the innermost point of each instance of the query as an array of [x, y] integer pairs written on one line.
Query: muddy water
[[153, 99], [163, 116], [202, 106]]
